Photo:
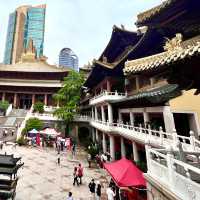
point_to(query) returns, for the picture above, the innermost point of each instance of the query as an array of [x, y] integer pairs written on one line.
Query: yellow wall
[[187, 102]]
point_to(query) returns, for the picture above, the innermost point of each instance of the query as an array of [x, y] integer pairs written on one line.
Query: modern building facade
[[25, 23], [67, 58], [140, 99]]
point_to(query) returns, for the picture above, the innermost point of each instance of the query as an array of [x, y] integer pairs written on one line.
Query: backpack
[[80, 171]]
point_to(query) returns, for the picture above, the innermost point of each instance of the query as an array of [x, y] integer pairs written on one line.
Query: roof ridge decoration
[[175, 49]]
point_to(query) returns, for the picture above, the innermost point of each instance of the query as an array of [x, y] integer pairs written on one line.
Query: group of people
[[78, 174], [5, 132], [95, 189]]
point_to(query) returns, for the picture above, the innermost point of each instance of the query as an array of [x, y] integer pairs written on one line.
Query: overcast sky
[[85, 26]]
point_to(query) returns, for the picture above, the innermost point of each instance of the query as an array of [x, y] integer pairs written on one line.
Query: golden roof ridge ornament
[[174, 43]]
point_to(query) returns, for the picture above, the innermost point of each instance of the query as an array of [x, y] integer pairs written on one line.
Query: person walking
[[75, 174], [80, 173], [89, 159], [73, 150], [110, 193], [92, 187], [70, 196], [98, 191], [58, 158]]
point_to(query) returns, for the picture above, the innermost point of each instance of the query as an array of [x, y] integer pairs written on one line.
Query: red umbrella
[[125, 173]]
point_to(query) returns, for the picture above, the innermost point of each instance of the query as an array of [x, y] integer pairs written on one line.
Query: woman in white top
[[110, 193]]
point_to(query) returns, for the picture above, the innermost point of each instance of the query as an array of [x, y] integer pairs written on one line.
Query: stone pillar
[[3, 96], [93, 116], [123, 149], [108, 86], [168, 119], [104, 143], [93, 135], [97, 135], [33, 98], [135, 152], [45, 99], [112, 147], [137, 83], [110, 113], [146, 118], [132, 118], [120, 117], [103, 117], [15, 100], [95, 113]]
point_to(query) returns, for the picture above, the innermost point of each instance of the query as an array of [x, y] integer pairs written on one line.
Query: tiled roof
[[176, 51], [152, 12]]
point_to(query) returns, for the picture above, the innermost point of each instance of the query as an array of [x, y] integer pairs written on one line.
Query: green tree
[[68, 97], [4, 105], [33, 123], [38, 107]]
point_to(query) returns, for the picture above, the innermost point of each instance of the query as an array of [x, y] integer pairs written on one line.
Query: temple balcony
[[157, 138], [175, 172], [107, 96]]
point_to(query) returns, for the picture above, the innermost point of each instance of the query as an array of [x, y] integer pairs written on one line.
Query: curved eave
[[119, 35], [145, 17]]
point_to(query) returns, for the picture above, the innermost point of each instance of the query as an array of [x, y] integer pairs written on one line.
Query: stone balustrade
[[107, 96], [175, 175], [139, 134]]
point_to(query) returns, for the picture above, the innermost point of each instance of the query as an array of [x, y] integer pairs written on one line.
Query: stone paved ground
[[41, 178]]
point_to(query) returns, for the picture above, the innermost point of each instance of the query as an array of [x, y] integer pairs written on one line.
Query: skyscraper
[[67, 58], [25, 23]]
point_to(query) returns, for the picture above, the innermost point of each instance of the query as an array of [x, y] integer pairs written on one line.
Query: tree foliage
[[4, 105], [38, 107], [33, 123], [68, 96]]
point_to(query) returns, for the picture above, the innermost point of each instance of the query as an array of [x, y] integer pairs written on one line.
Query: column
[[120, 117], [135, 152], [15, 100], [45, 99], [132, 118], [112, 147], [168, 119], [104, 143], [123, 149], [110, 113], [95, 113], [93, 135], [108, 86], [146, 118], [33, 98], [103, 117], [137, 83], [97, 135], [3, 96]]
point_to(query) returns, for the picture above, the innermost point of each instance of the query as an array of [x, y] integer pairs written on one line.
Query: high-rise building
[[67, 58], [25, 23]]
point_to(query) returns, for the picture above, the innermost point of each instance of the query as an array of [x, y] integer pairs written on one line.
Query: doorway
[[25, 101]]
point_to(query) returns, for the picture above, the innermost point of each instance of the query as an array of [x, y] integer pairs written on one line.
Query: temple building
[[141, 99], [30, 80]]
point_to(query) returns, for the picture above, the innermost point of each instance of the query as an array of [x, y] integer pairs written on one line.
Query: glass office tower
[[67, 58], [27, 23]]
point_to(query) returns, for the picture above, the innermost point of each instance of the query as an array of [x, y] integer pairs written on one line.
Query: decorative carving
[[174, 43]]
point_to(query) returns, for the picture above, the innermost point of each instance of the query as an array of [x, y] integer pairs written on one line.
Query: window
[[144, 81]]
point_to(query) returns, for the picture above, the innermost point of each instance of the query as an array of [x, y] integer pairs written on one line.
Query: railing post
[[116, 92], [140, 127], [170, 166], [149, 130], [148, 155], [192, 140], [174, 137], [161, 135]]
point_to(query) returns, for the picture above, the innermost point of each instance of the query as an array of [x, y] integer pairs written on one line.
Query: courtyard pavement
[[41, 178]]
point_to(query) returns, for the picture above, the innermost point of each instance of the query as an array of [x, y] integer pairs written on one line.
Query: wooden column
[[15, 100], [33, 98], [45, 99]]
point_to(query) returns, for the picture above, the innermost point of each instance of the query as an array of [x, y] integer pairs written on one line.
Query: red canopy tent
[[125, 173]]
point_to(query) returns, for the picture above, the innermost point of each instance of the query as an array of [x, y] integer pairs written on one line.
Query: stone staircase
[[10, 124]]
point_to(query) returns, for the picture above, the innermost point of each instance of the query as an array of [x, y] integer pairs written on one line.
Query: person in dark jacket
[[92, 187], [98, 191]]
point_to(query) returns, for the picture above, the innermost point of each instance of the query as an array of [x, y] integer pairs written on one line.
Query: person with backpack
[[80, 173], [92, 187]]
